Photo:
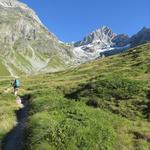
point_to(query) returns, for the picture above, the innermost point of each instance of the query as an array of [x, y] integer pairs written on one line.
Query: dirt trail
[[14, 139]]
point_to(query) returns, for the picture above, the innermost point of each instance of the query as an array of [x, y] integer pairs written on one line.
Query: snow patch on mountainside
[[98, 42], [84, 56]]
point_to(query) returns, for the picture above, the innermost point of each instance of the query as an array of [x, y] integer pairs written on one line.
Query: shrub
[[107, 89]]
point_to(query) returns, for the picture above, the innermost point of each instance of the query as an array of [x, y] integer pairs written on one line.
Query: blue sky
[[71, 20]]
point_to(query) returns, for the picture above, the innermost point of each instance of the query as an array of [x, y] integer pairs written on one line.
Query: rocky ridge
[[104, 42], [26, 46]]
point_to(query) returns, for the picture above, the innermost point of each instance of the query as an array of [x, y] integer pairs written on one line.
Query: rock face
[[26, 46], [8, 3], [102, 37], [141, 37], [104, 42], [120, 40], [101, 41]]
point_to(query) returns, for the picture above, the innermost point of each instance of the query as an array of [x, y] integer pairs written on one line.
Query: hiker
[[16, 85]]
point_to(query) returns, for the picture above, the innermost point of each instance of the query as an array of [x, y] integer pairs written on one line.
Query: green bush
[[73, 127], [107, 89]]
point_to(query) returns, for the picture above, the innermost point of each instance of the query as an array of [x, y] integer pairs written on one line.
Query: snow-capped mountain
[[101, 38], [100, 41], [26, 46], [104, 42]]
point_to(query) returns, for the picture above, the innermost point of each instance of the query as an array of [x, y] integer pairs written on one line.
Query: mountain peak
[[8, 3], [103, 29], [103, 35], [27, 44], [141, 37], [23, 7], [144, 29]]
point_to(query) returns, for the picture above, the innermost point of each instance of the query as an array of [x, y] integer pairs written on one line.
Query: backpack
[[17, 83]]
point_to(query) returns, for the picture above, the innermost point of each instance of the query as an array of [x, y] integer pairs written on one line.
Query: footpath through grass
[[102, 105], [8, 107]]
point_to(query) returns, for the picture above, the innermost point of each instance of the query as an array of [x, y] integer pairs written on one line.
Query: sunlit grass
[[103, 105]]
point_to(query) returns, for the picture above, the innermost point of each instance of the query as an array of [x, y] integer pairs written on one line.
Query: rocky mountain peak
[[101, 40], [143, 29], [102, 35], [8, 3], [21, 6], [141, 37], [26, 46], [104, 29]]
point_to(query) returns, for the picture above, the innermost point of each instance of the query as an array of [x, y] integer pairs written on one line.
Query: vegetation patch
[[102, 105]]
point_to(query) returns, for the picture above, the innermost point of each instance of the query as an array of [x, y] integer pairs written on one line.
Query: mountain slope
[[103, 104], [102, 36], [25, 44], [141, 37], [100, 41], [104, 42]]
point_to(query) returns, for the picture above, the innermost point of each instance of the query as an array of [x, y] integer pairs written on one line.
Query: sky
[[71, 20]]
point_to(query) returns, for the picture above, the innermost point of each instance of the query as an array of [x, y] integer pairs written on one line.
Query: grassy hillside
[[7, 108], [102, 105], [3, 70]]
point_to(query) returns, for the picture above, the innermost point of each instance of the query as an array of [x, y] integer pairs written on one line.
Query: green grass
[[101, 105], [57, 123], [119, 95], [23, 60], [62, 115], [3, 70], [8, 107], [56, 62]]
